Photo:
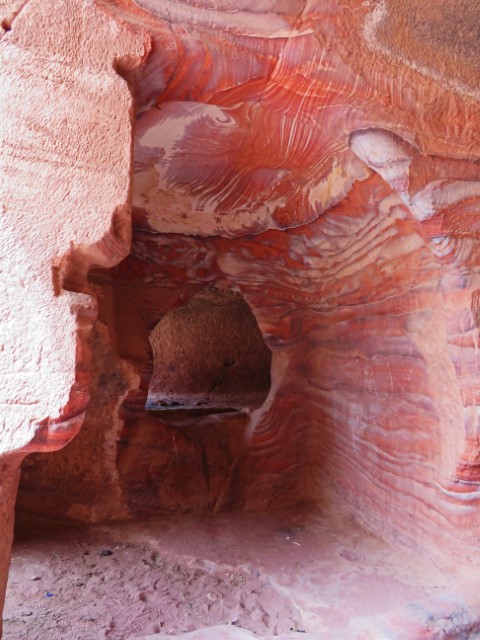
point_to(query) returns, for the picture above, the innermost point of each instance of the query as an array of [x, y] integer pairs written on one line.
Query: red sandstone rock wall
[[65, 129], [322, 158]]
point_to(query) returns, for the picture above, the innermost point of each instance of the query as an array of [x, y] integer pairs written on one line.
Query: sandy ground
[[269, 574]]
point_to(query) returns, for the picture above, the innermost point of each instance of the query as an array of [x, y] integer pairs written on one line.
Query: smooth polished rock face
[[320, 159]]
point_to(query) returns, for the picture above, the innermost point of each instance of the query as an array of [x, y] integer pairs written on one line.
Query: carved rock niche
[[209, 354], [239, 327]]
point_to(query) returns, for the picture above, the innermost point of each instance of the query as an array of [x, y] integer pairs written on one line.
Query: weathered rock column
[[9, 477]]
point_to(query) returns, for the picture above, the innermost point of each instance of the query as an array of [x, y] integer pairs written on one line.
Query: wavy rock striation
[[319, 160]]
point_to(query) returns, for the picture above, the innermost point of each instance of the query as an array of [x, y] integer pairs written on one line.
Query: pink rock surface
[[224, 632], [65, 128], [321, 159], [342, 198], [270, 574]]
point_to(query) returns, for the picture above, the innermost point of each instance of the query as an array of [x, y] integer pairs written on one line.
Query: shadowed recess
[[209, 353]]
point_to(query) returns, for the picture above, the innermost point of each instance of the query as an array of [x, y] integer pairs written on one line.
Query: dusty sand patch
[[266, 573]]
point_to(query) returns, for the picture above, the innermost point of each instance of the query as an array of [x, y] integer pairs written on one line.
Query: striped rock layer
[[319, 160]]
